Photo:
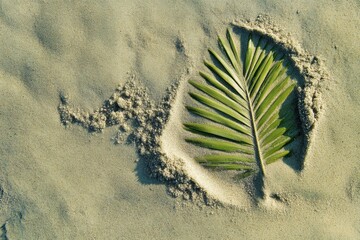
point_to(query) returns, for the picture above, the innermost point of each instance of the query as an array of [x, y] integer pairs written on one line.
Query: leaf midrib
[[243, 83], [257, 151]]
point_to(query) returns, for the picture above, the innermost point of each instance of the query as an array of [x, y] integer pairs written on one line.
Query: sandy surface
[[68, 183]]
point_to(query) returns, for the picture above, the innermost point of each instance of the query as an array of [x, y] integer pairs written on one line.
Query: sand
[[91, 99]]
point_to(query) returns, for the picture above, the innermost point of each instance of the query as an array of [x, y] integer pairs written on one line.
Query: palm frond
[[248, 106]]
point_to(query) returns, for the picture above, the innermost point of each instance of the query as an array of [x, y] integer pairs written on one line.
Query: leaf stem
[[258, 155]]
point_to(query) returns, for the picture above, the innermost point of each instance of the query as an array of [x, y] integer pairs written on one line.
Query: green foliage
[[249, 108]]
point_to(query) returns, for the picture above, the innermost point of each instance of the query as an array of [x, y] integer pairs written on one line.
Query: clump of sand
[[141, 122]]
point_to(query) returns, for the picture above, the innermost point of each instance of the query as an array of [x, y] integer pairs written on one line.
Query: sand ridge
[[140, 121]]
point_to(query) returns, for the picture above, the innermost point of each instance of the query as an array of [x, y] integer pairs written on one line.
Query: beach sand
[[68, 174]]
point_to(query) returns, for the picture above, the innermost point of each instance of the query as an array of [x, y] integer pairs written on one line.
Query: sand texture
[[92, 105]]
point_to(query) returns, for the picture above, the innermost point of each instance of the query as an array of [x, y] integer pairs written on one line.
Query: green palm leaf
[[249, 108]]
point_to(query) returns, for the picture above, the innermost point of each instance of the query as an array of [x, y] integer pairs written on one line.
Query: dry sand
[[129, 176]]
